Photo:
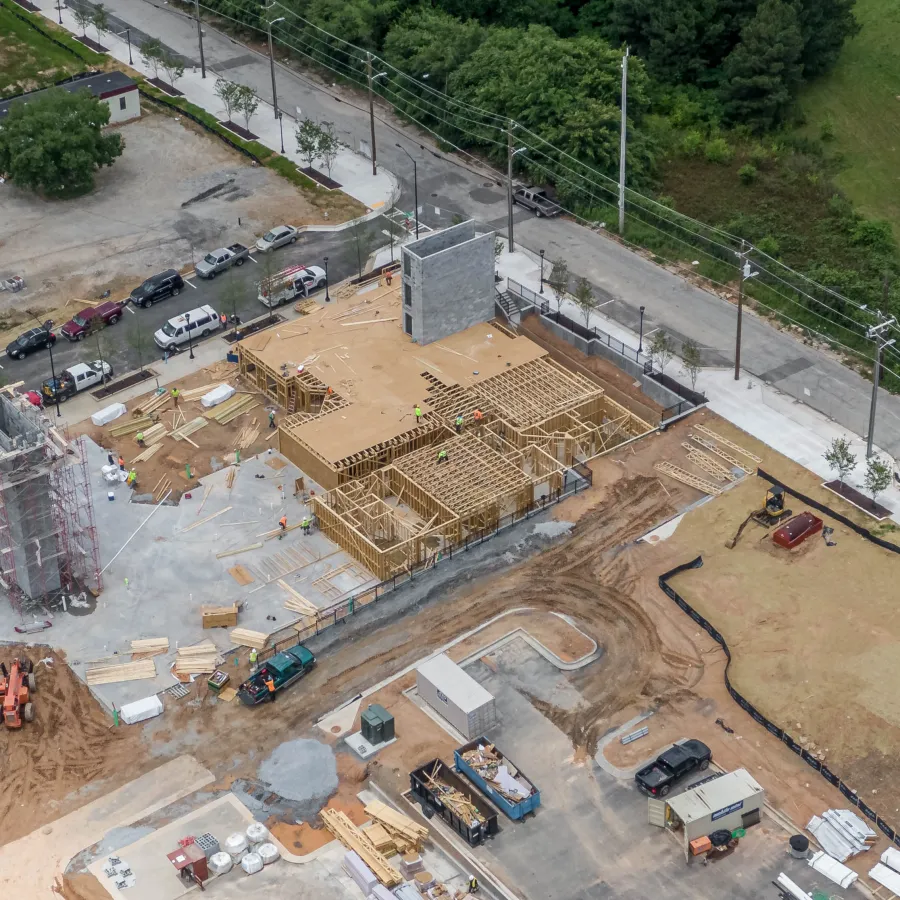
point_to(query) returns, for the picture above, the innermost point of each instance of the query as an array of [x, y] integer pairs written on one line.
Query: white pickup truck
[[295, 281]]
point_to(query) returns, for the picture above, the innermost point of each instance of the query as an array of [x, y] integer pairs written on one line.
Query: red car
[[91, 319]]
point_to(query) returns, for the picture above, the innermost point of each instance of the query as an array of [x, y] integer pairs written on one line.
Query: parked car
[[221, 259], [658, 778], [91, 319], [36, 339], [295, 281], [74, 379], [157, 287], [277, 237], [536, 199], [192, 325]]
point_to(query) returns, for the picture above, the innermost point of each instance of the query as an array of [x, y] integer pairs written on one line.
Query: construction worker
[[442, 456], [271, 418], [131, 480], [270, 684], [479, 421], [175, 395], [418, 411], [473, 884], [459, 424], [388, 277], [139, 437], [224, 320], [282, 524], [254, 656], [306, 523], [121, 463]]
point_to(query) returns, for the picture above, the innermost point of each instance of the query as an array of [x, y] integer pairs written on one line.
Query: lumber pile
[[219, 616], [244, 637], [268, 535], [198, 392], [144, 649], [198, 659], [232, 408], [297, 602], [355, 839], [147, 453], [249, 433], [406, 835], [687, 478], [108, 673], [163, 486], [132, 427], [182, 431], [307, 306], [502, 775], [454, 799], [155, 433], [718, 437], [148, 406]]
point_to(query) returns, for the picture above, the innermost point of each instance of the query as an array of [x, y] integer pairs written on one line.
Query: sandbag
[[220, 863], [252, 863], [268, 853], [236, 845], [257, 833]]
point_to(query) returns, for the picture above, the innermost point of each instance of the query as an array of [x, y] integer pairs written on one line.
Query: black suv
[[157, 287], [658, 778], [36, 339]]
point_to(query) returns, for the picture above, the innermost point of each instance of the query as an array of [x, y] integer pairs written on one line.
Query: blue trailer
[[480, 761]]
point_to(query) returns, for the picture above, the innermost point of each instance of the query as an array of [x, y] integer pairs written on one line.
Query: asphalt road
[[117, 347], [449, 185]]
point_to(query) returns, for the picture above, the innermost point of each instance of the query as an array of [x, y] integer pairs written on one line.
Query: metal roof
[[463, 691], [99, 84], [700, 802]]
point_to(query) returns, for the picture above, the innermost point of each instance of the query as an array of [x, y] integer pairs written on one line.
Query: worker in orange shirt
[[282, 523], [479, 420], [270, 684]]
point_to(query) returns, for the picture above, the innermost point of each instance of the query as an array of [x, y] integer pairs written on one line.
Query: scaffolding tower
[[48, 538]]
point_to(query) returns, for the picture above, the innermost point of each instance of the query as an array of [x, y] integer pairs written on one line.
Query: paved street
[[447, 187]]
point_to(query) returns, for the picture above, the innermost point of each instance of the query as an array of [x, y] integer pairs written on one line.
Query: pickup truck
[[536, 200], [283, 668], [221, 259], [296, 281], [91, 319], [658, 778], [74, 379]]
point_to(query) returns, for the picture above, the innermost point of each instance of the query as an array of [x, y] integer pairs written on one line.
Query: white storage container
[[220, 863], [251, 863], [256, 834], [268, 853], [131, 713], [109, 414], [236, 845], [461, 700]]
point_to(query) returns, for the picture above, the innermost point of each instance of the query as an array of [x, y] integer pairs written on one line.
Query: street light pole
[[47, 326], [327, 297], [59, 10], [415, 185], [281, 130], [877, 333], [269, 25], [622, 143], [128, 38], [510, 154], [200, 38], [372, 107], [542, 272], [187, 322], [641, 336]]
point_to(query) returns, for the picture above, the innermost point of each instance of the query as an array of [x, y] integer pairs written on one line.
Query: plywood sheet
[[241, 575]]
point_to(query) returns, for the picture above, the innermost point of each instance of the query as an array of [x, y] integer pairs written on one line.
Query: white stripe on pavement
[[188, 283]]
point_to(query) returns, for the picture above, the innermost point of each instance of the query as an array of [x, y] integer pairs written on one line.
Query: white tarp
[[891, 857], [509, 784], [380, 892], [108, 413], [140, 710], [793, 889], [832, 869], [888, 877], [361, 874], [217, 395]]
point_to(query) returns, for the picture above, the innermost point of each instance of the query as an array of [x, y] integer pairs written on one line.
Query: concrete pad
[[340, 721], [29, 866]]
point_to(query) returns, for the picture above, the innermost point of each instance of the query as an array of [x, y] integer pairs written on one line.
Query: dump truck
[[495, 775], [283, 669], [221, 259], [17, 684]]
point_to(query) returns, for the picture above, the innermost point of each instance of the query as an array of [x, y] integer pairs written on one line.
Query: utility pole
[[622, 142], [509, 188], [744, 272], [200, 38], [269, 24], [372, 111], [877, 333]]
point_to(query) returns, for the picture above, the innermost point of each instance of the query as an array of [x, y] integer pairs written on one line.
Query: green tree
[[840, 458], [172, 66], [83, 16], [231, 296], [329, 145], [246, 103], [661, 350], [140, 341], [878, 476], [56, 142], [825, 24], [691, 361], [229, 94], [309, 136], [585, 299], [558, 279], [152, 55], [100, 21], [761, 74]]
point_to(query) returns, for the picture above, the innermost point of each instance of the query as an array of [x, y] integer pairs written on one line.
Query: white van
[[193, 325]]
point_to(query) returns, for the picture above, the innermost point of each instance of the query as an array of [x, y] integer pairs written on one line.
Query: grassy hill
[[861, 100]]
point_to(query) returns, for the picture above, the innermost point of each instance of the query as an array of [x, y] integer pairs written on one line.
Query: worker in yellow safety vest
[[175, 395], [254, 656], [418, 411], [306, 522], [139, 437], [442, 456], [131, 480]]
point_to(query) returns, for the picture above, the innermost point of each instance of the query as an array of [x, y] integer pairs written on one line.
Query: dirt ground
[[216, 443], [133, 224], [58, 762]]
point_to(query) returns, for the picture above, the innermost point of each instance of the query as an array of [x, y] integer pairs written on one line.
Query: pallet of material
[[197, 659], [244, 637], [355, 839], [181, 433], [219, 616], [197, 392], [249, 433], [147, 453], [381, 839], [131, 427], [148, 406], [305, 307], [396, 822], [232, 408], [111, 673], [147, 647], [155, 433]]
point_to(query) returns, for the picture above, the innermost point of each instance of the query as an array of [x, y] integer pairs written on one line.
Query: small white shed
[[733, 800], [458, 697]]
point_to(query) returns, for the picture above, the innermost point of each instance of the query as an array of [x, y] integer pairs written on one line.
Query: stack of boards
[[198, 659]]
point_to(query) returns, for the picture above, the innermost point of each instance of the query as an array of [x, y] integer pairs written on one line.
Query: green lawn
[[28, 60], [862, 98]]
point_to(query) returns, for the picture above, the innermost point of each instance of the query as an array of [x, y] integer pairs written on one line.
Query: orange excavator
[[17, 684]]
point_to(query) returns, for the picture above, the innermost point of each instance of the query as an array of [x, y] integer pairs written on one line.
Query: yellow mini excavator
[[771, 513]]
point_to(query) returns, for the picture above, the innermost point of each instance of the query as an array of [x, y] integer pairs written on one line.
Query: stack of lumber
[[197, 392], [232, 408], [355, 839], [107, 673], [381, 840], [145, 407], [307, 306], [147, 453], [454, 799], [219, 616], [182, 431], [198, 659], [244, 637], [131, 427], [502, 775], [297, 602], [155, 433], [144, 649], [406, 835], [249, 433], [162, 487]]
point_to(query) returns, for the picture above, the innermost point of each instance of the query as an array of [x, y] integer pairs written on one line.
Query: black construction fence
[[817, 765], [577, 478]]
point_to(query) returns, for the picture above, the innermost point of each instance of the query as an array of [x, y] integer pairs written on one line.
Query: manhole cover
[[487, 184], [335, 729]]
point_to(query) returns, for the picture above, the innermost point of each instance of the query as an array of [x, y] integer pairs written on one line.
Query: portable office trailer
[[474, 834], [461, 700], [732, 801], [515, 809]]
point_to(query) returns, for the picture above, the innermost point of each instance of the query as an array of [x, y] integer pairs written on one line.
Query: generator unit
[[377, 725]]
